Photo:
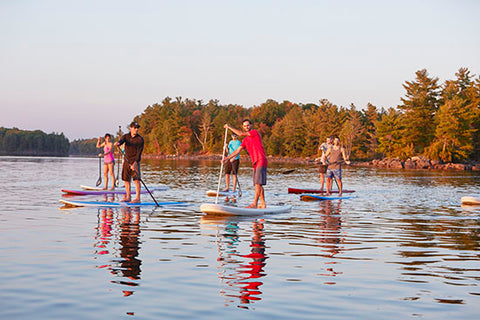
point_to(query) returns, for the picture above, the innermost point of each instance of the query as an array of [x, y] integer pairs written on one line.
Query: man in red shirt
[[254, 146]]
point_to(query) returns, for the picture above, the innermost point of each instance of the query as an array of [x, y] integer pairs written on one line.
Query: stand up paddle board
[[213, 193], [214, 208], [314, 197], [99, 204], [298, 190], [85, 192], [471, 200]]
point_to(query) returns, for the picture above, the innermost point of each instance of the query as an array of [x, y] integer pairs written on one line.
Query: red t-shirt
[[254, 146]]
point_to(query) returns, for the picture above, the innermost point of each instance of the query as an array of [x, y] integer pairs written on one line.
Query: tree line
[[438, 121], [32, 143]]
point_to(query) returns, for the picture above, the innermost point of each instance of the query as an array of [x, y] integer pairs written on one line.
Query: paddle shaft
[[238, 182], [117, 180], [99, 181], [221, 165]]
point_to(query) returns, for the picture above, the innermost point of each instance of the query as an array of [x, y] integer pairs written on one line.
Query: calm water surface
[[403, 249]]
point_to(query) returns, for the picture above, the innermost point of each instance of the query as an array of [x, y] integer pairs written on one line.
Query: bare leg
[[227, 182], [137, 191], [340, 187], [262, 197], [322, 180], [329, 186], [105, 176], [112, 175], [128, 195], [259, 194]]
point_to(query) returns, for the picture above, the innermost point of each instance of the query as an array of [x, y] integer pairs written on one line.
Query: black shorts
[[232, 166], [128, 174]]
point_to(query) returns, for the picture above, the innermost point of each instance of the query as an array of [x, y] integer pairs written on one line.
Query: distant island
[[16, 142]]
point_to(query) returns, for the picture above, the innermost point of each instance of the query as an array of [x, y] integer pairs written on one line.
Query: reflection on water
[[240, 272], [404, 248], [330, 235], [118, 238]]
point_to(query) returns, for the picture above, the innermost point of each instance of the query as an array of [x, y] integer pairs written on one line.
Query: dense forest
[[82, 147], [438, 121], [32, 143]]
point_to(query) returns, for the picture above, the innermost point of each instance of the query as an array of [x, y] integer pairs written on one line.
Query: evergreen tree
[[419, 107]]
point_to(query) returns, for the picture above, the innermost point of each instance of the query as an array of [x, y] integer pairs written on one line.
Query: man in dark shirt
[[131, 164]]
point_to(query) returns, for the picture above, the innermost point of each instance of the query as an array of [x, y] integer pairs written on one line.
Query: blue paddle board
[[98, 204], [314, 197]]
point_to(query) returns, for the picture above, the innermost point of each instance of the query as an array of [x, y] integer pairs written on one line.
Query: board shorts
[[337, 173], [232, 166], [260, 175], [128, 174]]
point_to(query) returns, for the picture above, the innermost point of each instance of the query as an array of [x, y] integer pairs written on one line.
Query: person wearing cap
[[232, 165], [131, 165]]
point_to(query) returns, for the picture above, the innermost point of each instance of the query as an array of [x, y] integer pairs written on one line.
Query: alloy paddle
[[99, 181], [221, 166]]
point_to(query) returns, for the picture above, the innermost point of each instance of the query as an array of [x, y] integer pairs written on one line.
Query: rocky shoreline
[[418, 163], [414, 163]]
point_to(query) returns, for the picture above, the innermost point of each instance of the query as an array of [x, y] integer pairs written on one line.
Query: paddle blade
[[99, 181]]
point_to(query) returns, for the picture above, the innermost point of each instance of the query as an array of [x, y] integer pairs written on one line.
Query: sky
[[84, 68]]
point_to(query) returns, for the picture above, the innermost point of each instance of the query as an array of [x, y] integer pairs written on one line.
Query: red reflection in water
[[241, 272], [121, 235]]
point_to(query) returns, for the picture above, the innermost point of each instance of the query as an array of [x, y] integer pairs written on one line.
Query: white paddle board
[[215, 208], [471, 200], [213, 193]]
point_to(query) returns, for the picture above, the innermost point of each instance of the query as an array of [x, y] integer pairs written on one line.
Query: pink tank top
[[108, 157]]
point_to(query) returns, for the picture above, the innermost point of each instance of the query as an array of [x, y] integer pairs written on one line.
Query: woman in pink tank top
[[108, 159]]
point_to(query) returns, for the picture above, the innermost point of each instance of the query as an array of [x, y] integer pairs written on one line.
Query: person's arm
[[325, 155], [120, 142], [236, 131], [138, 156], [100, 145], [345, 156], [233, 154]]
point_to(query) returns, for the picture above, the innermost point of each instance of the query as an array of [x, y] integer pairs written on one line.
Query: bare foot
[[135, 200], [125, 199], [225, 190], [262, 206], [253, 205], [111, 189]]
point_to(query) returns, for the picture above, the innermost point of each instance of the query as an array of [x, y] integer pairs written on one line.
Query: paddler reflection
[[124, 249], [240, 273], [330, 236]]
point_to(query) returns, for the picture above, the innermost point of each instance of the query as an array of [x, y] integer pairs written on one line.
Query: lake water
[[403, 249]]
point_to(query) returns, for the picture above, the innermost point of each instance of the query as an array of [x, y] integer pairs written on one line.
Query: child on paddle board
[[131, 165], [231, 167], [254, 146], [335, 155], [108, 158]]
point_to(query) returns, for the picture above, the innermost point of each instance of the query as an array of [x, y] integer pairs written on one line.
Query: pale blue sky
[[85, 67]]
